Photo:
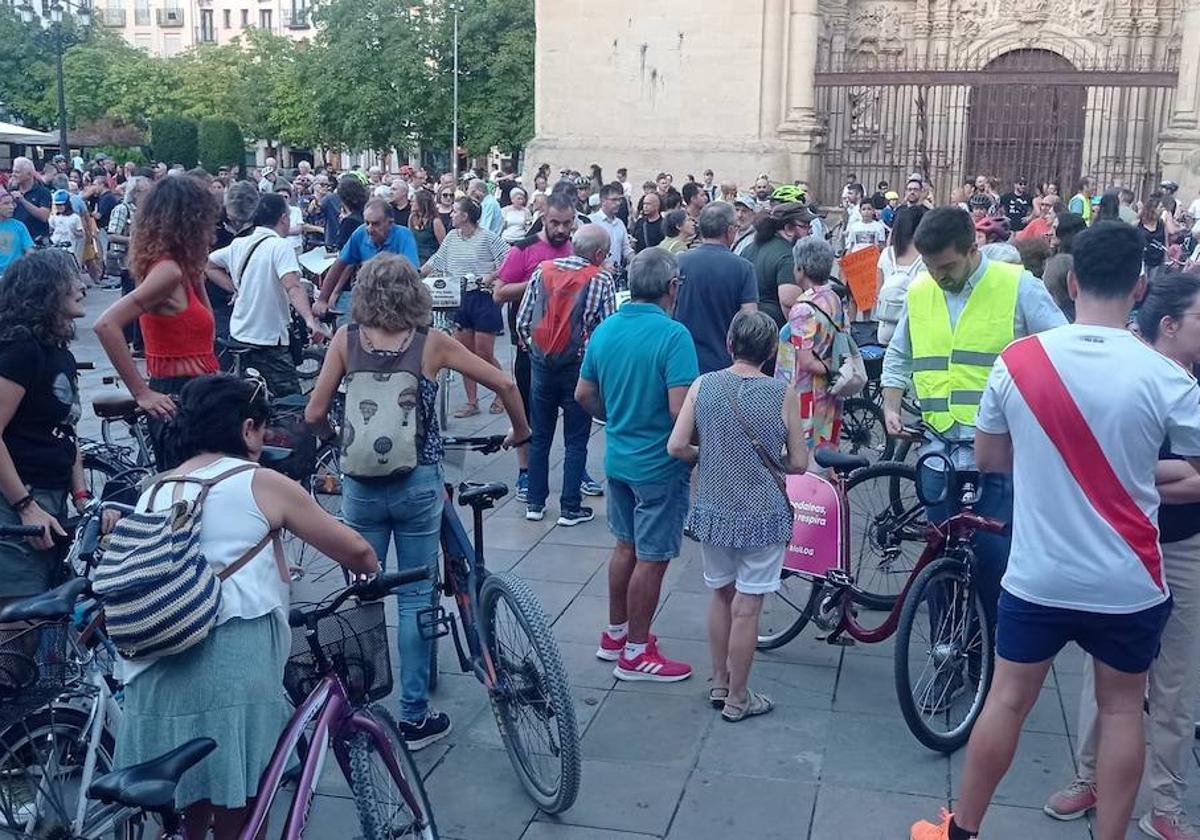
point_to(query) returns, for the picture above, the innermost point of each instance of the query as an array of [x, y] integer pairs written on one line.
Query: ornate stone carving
[[877, 30], [971, 18]]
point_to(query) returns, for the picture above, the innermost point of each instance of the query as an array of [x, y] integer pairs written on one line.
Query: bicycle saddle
[[230, 345], [54, 604], [842, 462], [151, 784], [479, 494], [110, 406]]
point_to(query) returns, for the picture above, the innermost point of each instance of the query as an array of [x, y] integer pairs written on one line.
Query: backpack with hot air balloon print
[[384, 429]]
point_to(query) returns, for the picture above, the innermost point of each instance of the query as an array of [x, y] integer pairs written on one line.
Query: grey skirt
[[24, 570], [228, 688]]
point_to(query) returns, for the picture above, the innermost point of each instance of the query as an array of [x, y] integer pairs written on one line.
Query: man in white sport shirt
[[1078, 415]]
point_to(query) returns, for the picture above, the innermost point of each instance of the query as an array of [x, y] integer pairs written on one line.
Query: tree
[[221, 144], [25, 70], [174, 140]]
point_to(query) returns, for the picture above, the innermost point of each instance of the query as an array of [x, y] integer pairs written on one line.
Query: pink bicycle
[[339, 664]]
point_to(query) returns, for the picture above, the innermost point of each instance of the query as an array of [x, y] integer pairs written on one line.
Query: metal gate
[[1030, 112]]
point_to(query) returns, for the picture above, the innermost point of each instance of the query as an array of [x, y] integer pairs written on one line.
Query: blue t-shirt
[[633, 357], [15, 241], [361, 247], [714, 282]]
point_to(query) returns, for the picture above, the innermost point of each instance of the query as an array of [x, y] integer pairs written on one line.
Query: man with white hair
[[303, 181], [266, 183], [375, 175], [400, 206], [32, 197], [491, 217]]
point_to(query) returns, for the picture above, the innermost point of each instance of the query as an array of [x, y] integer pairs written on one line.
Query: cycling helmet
[[979, 200], [360, 176], [787, 193], [993, 229], [1169, 186], [582, 181]]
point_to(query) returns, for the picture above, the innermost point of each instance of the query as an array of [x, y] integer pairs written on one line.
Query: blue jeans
[[991, 550], [552, 388], [407, 511]]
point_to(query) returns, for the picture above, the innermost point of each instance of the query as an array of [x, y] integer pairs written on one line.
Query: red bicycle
[[923, 574]]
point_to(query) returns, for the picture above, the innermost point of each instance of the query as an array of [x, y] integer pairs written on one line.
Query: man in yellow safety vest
[[960, 313]]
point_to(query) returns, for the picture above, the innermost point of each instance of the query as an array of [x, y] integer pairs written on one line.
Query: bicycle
[[510, 648], [941, 582], [61, 708], [338, 667]]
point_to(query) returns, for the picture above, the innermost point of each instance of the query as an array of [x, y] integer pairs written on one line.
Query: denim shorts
[[1127, 642], [479, 312], [649, 515]]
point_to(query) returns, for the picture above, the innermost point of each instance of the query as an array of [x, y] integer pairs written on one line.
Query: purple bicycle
[[339, 664]]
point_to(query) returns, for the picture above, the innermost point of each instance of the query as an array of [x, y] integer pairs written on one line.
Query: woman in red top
[[171, 237]]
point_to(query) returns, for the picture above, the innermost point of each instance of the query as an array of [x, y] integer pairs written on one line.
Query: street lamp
[[59, 38], [457, 7]]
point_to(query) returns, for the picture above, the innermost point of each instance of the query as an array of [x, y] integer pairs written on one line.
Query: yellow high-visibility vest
[[951, 366]]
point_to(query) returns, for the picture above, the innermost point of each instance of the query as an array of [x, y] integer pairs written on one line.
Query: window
[[225, 17], [245, 18], [207, 32], [264, 19], [141, 13]]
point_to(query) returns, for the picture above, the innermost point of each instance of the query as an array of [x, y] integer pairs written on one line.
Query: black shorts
[[1030, 633], [477, 311]]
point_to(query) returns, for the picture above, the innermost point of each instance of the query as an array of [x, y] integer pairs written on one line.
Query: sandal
[[497, 406], [757, 704], [467, 410], [717, 697]]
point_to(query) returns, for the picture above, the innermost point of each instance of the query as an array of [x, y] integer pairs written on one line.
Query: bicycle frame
[[462, 578], [335, 721], [959, 528]]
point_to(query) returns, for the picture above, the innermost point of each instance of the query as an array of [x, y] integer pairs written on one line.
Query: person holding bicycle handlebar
[[41, 296]]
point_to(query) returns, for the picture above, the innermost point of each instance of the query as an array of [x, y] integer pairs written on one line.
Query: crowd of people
[[698, 324]]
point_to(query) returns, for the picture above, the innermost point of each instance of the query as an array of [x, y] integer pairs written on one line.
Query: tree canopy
[[376, 74]]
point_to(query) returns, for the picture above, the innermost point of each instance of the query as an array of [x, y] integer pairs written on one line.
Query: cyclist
[[41, 296], [208, 690], [959, 313], [175, 226], [401, 498], [1086, 564]]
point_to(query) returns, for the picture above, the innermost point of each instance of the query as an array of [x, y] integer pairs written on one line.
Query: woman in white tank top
[[230, 686]]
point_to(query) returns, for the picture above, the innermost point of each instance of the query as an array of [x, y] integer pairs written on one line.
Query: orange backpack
[[557, 327]]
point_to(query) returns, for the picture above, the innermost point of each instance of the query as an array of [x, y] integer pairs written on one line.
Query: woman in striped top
[[470, 249]]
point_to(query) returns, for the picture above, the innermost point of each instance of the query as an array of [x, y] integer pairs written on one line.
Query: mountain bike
[[942, 674], [509, 647], [338, 666]]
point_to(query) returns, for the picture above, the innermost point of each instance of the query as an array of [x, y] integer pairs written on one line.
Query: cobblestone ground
[[834, 761]]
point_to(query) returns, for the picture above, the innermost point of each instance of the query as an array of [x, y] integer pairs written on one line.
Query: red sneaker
[[651, 666], [610, 649]]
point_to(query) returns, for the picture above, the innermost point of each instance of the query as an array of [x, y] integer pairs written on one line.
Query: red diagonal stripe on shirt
[[1051, 403]]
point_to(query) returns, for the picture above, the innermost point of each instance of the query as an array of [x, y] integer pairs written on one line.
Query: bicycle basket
[[33, 669], [354, 642]]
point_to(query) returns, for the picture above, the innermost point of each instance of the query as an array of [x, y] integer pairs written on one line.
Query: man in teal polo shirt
[[635, 375]]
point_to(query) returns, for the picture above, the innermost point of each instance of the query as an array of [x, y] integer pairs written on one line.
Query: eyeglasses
[[260, 384]]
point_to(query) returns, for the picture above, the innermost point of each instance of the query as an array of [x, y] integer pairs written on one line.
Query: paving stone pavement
[[833, 761]]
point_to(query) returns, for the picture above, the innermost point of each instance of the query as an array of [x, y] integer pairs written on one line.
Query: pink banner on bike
[[817, 533]]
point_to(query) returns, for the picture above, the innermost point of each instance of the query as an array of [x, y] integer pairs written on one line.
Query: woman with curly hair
[[41, 295], [392, 447], [175, 226]]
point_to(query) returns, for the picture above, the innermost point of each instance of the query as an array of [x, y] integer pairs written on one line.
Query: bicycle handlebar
[[488, 444], [21, 530], [377, 587]]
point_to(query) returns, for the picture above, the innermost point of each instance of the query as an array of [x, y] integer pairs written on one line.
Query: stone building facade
[[819, 90]]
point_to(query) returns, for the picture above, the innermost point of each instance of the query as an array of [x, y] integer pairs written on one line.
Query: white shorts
[[754, 570]]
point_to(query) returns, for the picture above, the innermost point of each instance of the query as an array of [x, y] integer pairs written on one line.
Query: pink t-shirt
[[518, 267]]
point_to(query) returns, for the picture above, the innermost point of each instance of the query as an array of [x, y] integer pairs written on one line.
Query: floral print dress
[[820, 411]]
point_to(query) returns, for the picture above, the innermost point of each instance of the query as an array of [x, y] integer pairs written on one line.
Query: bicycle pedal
[[434, 622], [838, 640], [837, 577]]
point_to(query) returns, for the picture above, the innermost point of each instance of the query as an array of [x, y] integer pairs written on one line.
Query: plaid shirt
[[600, 302]]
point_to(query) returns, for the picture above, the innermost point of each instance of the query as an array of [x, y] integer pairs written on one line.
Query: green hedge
[[221, 144], [175, 140], [121, 154]]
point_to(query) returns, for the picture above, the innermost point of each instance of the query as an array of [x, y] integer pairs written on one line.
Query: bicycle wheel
[[887, 531], [532, 697], [786, 611], [384, 812], [943, 657], [311, 359], [41, 776], [864, 431]]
